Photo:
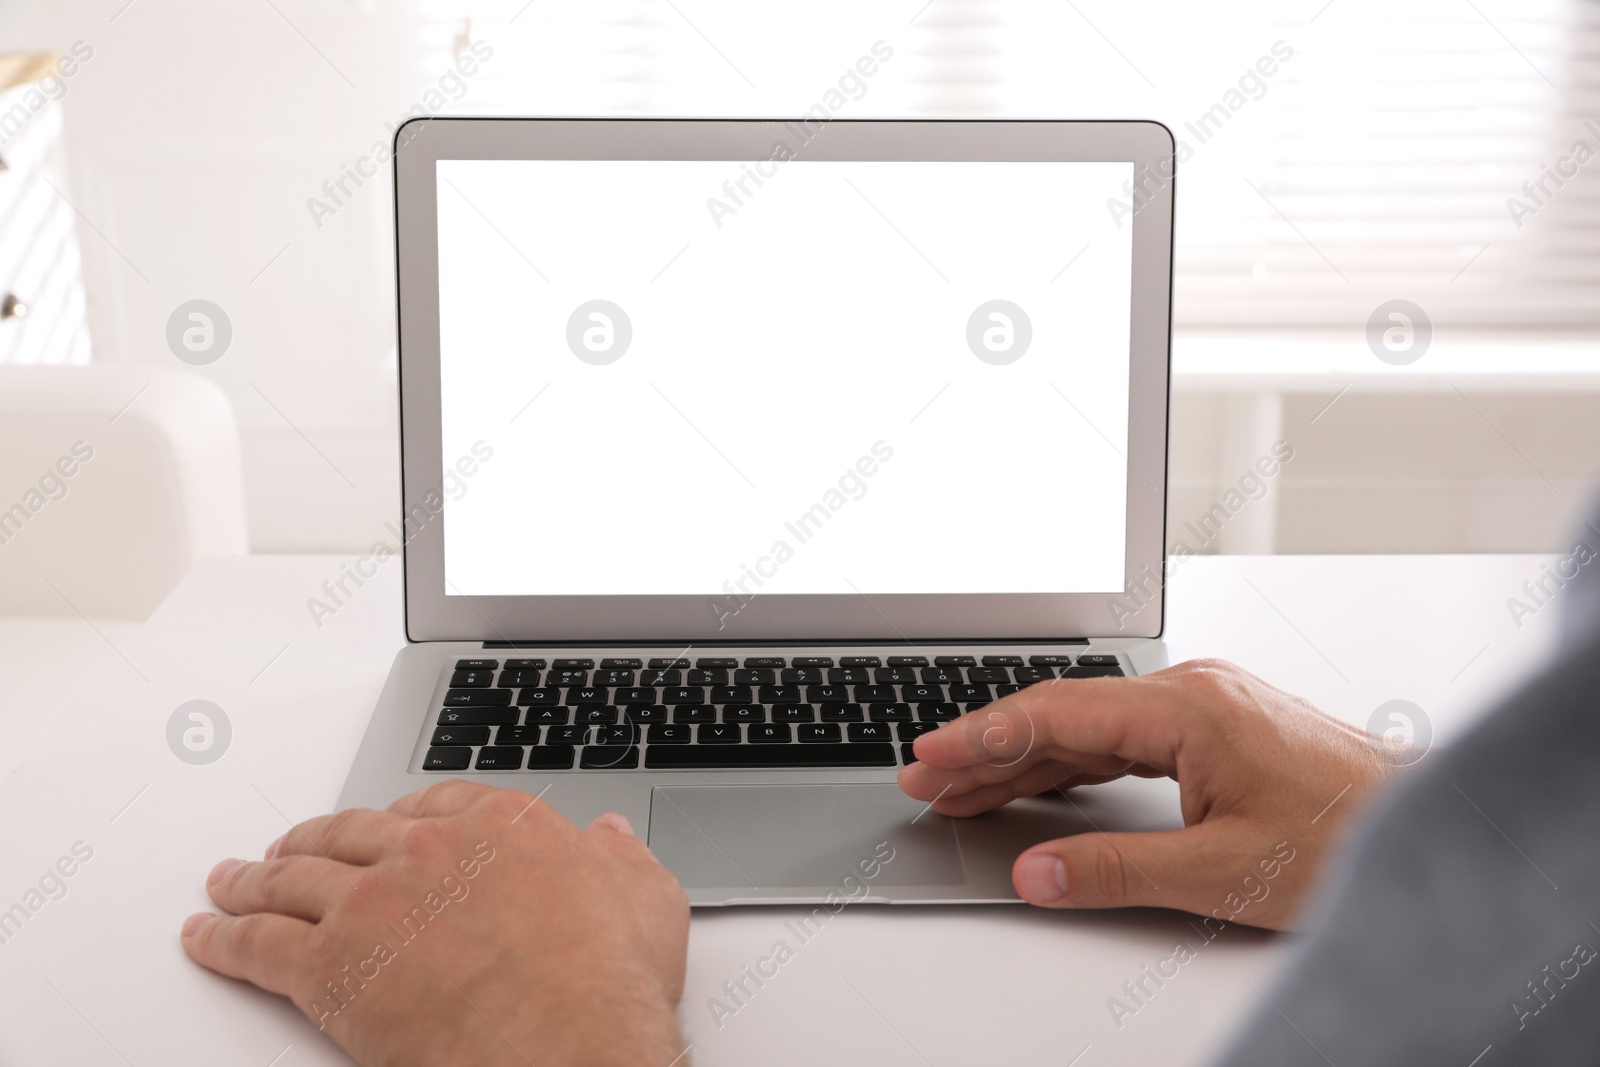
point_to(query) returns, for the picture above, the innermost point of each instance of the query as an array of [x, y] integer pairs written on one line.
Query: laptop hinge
[[777, 644]]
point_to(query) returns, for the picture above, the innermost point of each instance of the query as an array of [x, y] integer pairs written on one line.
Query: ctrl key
[[500, 758], [447, 758]]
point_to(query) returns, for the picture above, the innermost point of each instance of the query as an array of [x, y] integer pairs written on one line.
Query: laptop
[[739, 453]]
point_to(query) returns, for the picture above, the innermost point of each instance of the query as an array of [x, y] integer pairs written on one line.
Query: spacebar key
[[686, 757]]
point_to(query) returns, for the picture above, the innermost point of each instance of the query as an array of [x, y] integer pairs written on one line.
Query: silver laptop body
[[738, 453]]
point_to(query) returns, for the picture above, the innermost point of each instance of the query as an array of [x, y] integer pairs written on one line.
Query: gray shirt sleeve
[[1462, 921]]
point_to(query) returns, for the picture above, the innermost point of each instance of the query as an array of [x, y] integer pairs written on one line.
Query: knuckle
[[1110, 871], [422, 837]]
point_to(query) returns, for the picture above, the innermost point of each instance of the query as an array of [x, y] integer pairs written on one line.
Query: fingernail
[[617, 822], [193, 923], [220, 871], [272, 849], [1042, 878]]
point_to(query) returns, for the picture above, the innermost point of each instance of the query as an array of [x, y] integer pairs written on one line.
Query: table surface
[[97, 976]]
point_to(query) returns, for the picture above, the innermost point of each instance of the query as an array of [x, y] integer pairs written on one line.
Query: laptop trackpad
[[811, 837]]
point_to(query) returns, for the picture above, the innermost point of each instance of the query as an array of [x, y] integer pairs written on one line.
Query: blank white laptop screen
[[702, 377]]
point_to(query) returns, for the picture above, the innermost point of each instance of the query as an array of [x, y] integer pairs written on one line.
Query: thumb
[[613, 821], [1182, 869]]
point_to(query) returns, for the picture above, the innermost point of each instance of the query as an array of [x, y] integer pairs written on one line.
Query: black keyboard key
[[615, 664], [894, 675], [546, 758], [769, 733], [1092, 672], [518, 679], [942, 675], [889, 712], [500, 758], [621, 734], [988, 674], [694, 713], [716, 663], [917, 694], [525, 664], [910, 731], [683, 694], [668, 733], [472, 679], [977, 705], [954, 661], [646, 713], [613, 678], [774, 662], [1097, 660], [977, 694], [567, 677], [793, 713], [908, 753], [476, 698], [595, 715], [547, 717], [842, 713], [673, 677], [635, 695], [849, 676], [1050, 661], [588, 695], [1002, 661], [755, 676], [1007, 689], [860, 661], [462, 735], [574, 665], [827, 694], [661, 663], [800, 676], [908, 661], [477, 664], [820, 733], [478, 716], [744, 713], [545, 696], [779, 694], [706, 677], [602, 758], [874, 694], [813, 661], [718, 733], [732, 694], [516, 735], [447, 759], [867, 731], [566, 735], [1030, 675], [940, 712], [683, 757]]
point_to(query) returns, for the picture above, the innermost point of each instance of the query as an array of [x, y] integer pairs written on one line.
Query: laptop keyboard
[[719, 712]]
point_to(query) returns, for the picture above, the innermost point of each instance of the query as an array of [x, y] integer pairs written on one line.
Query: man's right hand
[[1265, 780]]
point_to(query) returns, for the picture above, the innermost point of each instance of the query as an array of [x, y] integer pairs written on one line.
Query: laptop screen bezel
[[434, 613]]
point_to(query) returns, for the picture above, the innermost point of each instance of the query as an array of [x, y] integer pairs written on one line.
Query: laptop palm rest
[[812, 839]]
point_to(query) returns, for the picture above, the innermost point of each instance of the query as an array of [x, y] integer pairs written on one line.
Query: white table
[[97, 977]]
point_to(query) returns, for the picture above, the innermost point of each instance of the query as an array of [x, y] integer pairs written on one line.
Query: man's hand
[[463, 925], [1265, 780]]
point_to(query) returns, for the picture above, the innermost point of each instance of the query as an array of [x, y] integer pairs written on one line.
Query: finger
[[961, 793], [356, 835], [1182, 869], [303, 887], [449, 797], [1137, 720], [263, 949]]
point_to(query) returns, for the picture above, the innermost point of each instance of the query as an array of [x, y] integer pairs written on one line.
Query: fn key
[[455, 758]]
